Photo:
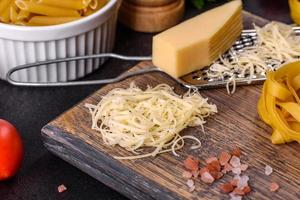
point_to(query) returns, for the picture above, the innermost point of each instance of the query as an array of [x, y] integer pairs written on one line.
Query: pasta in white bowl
[[47, 12], [34, 39]]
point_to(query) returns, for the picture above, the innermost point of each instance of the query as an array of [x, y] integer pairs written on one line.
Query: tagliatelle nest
[[133, 118]]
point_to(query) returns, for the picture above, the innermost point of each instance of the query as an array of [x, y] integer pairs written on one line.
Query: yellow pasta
[[46, 12], [94, 5], [4, 5], [45, 20], [43, 9], [13, 15], [23, 15], [70, 4]]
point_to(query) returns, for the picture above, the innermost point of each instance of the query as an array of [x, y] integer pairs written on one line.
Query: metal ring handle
[[77, 83]]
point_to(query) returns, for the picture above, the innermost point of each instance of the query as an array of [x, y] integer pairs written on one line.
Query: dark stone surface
[[29, 109]]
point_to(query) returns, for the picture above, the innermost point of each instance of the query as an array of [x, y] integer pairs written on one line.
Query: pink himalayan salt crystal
[[244, 167], [236, 170], [227, 168], [211, 159], [243, 182], [195, 174], [274, 187], [224, 158], [235, 161], [191, 189], [190, 183], [268, 170], [61, 188], [206, 177], [187, 174]]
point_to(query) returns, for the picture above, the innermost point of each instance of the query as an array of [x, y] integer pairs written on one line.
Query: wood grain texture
[[151, 19], [236, 124]]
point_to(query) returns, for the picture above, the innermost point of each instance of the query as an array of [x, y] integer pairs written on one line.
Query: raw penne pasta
[[21, 23], [42, 9], [23, 15], [97, 4], [88, 11], [4, 5], [4, 15], [13, 13], [44, 20], [70, 4], [93, 5], [46, 12]]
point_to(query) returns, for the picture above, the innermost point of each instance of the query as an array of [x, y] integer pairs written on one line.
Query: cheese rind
[[199, 41]]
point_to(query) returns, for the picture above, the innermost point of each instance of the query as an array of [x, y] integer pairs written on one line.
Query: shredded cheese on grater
[[133, 118], [276, 44]]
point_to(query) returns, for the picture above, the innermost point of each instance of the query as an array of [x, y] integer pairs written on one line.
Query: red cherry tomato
[[11, 150]]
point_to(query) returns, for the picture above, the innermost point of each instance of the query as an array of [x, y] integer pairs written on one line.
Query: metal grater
[[200, 80], [196, 79]]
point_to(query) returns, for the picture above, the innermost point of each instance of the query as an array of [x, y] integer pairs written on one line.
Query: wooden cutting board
[[236, 124]]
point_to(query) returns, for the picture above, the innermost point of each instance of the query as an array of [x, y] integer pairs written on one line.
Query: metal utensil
[[196, 79]]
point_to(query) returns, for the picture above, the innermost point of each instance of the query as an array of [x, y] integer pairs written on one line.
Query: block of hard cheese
[[199, 41]]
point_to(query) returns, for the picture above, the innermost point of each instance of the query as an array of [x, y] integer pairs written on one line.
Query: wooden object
[[236, 124], [151, 2], [151, 19]]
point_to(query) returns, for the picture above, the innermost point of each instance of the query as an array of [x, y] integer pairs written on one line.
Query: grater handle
[[78, 83]]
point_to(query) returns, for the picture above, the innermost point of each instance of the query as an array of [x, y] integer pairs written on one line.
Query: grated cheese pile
[[276, 44], [133, 118]]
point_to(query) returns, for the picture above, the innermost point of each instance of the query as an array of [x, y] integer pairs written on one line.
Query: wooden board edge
[[103, 163], [64, 152]]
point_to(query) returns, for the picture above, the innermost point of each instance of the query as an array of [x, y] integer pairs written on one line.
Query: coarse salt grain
[[195, 173], [191, 163], [211, 159], [227, 168], [247, 189], [273, 187], [243, 182], [203, 170], [236, 152], [61, 188], [206, 177], [238, 191], [187, 174], [191, 189], [244, 167], [234, 182], [236, 170], [226, 187], [190, 183], [224, 158], [235, 161], [268, 170]]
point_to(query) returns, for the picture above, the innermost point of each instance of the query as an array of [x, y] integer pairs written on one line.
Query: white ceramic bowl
[[90, 35]]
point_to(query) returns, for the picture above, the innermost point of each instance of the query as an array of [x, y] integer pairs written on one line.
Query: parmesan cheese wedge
[[197, 42]]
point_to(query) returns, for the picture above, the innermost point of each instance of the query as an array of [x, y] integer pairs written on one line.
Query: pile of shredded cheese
[[133, 118], [276, 44]]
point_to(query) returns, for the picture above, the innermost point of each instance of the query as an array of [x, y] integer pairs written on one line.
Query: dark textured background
[[29, 109]]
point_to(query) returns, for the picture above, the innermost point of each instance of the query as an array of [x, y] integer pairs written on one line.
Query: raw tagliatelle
[[133, 118], [279, 103], [276, 44]]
